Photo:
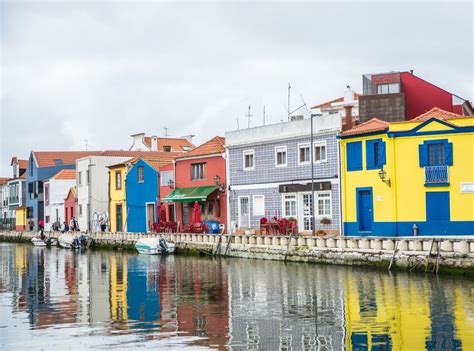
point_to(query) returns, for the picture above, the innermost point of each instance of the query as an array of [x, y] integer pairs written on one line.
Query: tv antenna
[[166, 131], [87, 145], [249, 116], [263, 114], [296, 109]]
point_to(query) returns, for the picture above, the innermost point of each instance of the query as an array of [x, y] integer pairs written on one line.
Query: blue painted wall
[[140, 193]]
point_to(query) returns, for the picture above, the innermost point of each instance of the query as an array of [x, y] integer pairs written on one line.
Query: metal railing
[[436, 174]]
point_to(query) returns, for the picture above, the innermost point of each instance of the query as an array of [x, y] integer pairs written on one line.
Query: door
[[244, 212], [119, 216], [365, 210], [150, 216], [437, 207], [306, 211], [171, 213]]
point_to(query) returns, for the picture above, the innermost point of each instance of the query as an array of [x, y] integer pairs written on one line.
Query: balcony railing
[[436, 175]]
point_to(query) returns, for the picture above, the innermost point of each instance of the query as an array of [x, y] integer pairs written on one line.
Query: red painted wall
[[214, 166], [69, 205], [422, 96]]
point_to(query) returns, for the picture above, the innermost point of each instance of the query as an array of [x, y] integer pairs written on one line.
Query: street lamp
[[171, 183], [382, 175], [217, 180]]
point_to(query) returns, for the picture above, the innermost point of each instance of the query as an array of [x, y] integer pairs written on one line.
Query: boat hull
[[151, 246]]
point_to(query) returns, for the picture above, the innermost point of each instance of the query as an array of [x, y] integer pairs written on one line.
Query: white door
[[305, 211], [244, 212]]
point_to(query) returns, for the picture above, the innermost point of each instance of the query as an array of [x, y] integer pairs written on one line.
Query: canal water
[[54, 299]]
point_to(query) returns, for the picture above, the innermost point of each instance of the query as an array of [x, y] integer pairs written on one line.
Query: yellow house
[[409, 178], [117, 198], [20, 218]]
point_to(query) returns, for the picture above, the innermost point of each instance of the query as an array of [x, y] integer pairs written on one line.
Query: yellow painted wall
[[117, 197], [20, 217], [405, 200]]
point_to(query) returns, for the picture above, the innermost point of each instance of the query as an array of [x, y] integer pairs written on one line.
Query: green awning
[[198, 193]]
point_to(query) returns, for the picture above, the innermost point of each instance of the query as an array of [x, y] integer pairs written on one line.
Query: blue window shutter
[[423, 155], [354, 156], [448, 154], [383, 157], [369, 154]]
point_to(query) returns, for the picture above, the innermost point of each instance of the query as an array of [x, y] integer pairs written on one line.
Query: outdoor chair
[[264, 227]]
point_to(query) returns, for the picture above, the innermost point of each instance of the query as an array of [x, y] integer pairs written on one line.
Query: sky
[[101, 71]]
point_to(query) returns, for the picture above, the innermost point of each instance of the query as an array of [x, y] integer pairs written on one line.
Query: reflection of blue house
[[142, 196]]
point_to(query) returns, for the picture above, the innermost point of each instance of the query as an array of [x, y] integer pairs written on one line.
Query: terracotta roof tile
[[438, 113], [176, 144], [339, 99], [22, 164], [374, 125], [58, 158], [213, 146], [157, 160], [65, 174]]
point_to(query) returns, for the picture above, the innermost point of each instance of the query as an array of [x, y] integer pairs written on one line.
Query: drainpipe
[[227, 191]]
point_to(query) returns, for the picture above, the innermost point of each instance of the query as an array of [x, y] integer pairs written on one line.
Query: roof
[[22, 164], [59, 158], [213, 146], [339, 99], [65, 174], [438, 113], [177, 144], [4, 180], [374, 125], [121, 153], [156, 159]]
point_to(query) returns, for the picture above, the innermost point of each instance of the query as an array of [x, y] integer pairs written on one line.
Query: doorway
[[244, 212], [150, 211], [365, 215], [119, 218]]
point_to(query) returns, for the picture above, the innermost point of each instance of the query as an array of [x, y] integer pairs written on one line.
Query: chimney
[[348, 118], [348, 94], [154, 143], [138, 141]]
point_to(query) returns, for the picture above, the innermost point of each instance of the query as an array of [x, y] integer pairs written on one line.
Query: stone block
[[446, 246], [341, 243], [331, 243], [388, 244]]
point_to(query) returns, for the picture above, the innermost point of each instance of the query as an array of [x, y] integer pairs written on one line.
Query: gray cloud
[[102, 71]]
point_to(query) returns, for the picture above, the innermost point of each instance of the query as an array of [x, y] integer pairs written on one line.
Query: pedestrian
[[74, 225]]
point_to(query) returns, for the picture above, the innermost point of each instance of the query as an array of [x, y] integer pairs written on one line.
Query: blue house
[[142, 194], [42, 165]]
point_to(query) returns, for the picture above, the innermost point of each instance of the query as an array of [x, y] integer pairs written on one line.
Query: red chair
[[264, 225], [283, 225]]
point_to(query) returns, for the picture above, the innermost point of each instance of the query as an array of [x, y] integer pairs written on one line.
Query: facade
[[70, 204], [117, 197], [16, 186], [200, 176], [92, 174], [400, 96], [5, 217], [167, 178], [409, 178], [154, 143], [56, 190], [269, 174], [42, 165]]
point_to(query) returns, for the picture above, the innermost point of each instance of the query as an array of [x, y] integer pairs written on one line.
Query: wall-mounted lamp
[[217, 180], [171, 183], [382, 175]]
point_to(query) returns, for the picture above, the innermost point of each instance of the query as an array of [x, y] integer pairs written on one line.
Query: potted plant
[[325, 221]]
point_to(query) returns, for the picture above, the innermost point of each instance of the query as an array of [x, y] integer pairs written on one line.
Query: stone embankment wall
[[456, 254]]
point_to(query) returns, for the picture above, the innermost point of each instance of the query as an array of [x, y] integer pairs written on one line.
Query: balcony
[[436, 176]]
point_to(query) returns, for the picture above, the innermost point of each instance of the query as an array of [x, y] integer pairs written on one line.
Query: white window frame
[[283, 203], [254, 213], [245, 153], [281, 148], [317, 144], [316, 204], [300, 146], [79, 178], [162, 183]]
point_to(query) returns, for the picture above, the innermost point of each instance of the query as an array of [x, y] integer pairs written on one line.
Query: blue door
[[437, 207], [364, 210]]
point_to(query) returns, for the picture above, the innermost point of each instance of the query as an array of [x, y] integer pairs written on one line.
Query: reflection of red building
[[200, 176]]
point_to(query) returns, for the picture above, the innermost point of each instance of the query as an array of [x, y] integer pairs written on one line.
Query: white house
[[55, 191], [154, 143], [92, 181]]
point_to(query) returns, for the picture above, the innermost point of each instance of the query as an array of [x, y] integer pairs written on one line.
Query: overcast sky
[[102, 71]]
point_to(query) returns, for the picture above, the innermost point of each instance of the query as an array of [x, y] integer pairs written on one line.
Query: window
[[320, 151], [46, 194], [391, 88], [166, 177], [324, 204], [167, 148], [436, 153], [80, 210], [304, 156], [198, 171], [289, 205], [88, 178], [258, 205], [118, 180], [375, 154], [140, 174], [79, 178], [249, 160], [354, 156], [280, 156]]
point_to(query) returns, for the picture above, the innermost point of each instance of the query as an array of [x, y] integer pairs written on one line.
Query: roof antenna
[[289, 89], [85, 141], [166, 131], [238, 128], [248, 117], [263, 114]]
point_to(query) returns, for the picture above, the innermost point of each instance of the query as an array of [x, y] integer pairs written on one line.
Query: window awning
[[198, 193]]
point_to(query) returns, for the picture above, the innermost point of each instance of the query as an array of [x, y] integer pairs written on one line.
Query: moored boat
[[47, 241], [71, 241], [155, 246]]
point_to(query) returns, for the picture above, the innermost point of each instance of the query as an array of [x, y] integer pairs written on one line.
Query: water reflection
[[57, 298]]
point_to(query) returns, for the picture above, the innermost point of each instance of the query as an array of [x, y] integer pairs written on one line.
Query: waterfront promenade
[[455, 254]]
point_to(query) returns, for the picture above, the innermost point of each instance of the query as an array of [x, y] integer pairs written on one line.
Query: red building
[[70, 204], [200, 176], [166, 187], [400, 96]]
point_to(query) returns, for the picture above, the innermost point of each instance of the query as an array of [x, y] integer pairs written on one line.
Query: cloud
[[101, 71]]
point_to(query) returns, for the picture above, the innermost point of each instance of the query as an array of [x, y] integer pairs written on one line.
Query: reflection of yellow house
[[464, 315], [20, 218], [117, 194], [118, 288], [379, 317], [20, 259]]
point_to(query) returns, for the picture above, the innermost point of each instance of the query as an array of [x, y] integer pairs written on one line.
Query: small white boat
[[71, 241], [47, 241], [38, 241], [155, 246]]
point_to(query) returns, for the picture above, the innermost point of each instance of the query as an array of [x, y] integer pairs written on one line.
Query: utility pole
[[248, 117], [263, 114]]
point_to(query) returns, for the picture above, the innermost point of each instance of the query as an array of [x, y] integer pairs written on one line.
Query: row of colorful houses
[[336, 171]]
